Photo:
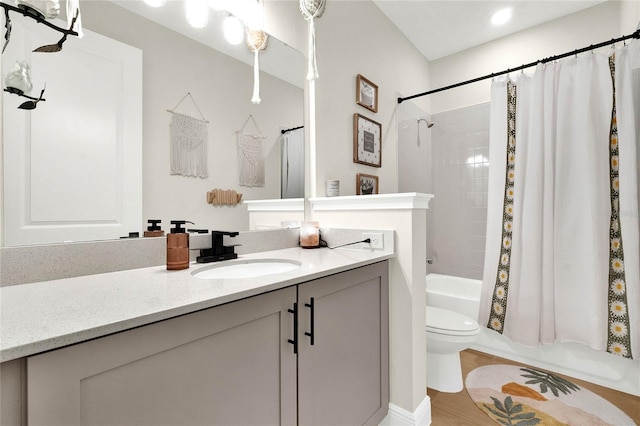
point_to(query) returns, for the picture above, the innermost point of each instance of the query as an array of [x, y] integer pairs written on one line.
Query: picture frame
[[366, 93], [366, 184], [367, 141]]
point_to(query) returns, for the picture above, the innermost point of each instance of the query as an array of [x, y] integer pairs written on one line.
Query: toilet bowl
[[448, 333]]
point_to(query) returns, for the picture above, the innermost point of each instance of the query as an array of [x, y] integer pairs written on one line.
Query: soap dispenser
[[178, 246], [154, 230]]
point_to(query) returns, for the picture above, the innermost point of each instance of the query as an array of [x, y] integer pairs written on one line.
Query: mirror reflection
[[100, 144]]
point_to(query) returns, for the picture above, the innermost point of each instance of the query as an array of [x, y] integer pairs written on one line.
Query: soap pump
[[178, 246], [154, 230]]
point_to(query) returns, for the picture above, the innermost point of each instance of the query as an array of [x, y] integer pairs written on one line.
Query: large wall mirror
[[48, 186]]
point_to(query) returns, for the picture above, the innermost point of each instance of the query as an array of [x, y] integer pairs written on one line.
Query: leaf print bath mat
[[524, 396]]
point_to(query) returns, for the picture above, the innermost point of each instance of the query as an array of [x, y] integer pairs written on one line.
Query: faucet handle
[[230, 234]]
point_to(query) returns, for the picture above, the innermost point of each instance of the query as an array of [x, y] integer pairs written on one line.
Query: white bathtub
[[463, 295]]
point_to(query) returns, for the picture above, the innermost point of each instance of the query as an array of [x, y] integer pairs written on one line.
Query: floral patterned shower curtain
[[562, 256]]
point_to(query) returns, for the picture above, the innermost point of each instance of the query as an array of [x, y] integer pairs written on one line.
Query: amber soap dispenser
[[178, 246]]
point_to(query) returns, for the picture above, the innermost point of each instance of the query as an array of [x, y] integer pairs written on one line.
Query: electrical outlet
[[377, 239]]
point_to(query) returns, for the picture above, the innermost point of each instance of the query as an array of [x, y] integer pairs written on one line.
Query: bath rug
[[524, 396]]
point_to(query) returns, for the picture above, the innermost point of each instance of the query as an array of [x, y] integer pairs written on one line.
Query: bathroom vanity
[[308, 346]]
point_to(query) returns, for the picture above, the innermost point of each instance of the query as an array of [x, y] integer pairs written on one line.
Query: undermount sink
[[250, 268]]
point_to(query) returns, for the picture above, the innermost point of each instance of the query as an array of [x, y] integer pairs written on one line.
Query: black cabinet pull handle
[[311, 322], [294, 342]]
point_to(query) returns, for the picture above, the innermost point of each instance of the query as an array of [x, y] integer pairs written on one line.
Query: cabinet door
[[343, 378], [230, 364]]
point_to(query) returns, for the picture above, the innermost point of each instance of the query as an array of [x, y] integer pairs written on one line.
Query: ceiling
[[439, 28]]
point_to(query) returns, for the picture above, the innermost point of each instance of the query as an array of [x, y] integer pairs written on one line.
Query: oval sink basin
[[245, 268]]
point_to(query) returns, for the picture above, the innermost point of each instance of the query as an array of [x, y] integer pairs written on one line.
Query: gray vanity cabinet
[[226, 365], [232, 364], [343, 369]]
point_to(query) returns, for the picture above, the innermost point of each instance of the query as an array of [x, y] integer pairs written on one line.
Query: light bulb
[[233, 30], [155, 3], [197, 13]]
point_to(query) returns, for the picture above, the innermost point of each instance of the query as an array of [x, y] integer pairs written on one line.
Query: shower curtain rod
[[291, 129], [636, 34]]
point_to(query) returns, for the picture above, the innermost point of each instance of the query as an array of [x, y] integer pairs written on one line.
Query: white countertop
[[47, 315]]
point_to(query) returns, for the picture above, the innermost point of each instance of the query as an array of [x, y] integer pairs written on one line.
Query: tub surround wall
[[460, 164]]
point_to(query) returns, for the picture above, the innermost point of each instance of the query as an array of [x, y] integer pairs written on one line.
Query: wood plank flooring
[[457, 409]]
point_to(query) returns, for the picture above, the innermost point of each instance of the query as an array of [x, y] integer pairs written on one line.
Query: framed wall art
[[366, 184], [366, 93], [367, 141]]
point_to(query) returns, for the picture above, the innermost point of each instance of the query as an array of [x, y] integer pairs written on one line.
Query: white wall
[[590, 26], [354, 37], [172, 66]]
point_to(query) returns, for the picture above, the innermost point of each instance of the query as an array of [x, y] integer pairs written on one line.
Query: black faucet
[[218, 250]]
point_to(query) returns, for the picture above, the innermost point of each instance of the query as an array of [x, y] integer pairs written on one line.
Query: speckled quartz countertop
[[47, 315]]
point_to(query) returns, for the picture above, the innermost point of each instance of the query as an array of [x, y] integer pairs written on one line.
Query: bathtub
[[463, 295]]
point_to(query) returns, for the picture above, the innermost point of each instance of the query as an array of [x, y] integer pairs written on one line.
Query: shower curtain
[[562, 248]]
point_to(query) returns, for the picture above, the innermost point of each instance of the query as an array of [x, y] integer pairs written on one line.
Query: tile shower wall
[[460, 174]]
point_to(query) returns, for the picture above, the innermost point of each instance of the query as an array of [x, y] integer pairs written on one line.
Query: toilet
[[448, 333]]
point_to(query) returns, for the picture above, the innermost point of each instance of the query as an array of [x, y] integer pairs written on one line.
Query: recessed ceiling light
[[501, 17]]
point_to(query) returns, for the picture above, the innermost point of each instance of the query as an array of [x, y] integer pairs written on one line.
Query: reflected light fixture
[[233, 30], [155, 3], [502, 16], [197, 12]]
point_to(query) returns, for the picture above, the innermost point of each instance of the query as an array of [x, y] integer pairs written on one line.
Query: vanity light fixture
[[233, 30], [502, 16], [197, 12]]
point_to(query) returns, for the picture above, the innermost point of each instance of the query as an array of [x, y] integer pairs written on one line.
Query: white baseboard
[[398, 416]]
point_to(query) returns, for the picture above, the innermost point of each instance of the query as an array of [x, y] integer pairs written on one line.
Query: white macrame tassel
[[312, 65], [73, 7], [310, 10], [256, 78]]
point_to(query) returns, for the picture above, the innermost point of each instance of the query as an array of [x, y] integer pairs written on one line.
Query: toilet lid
[[448, 322]]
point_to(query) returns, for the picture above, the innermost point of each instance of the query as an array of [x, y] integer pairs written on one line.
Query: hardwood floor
[[457, 409]]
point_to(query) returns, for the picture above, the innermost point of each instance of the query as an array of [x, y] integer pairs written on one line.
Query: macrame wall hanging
[[256, 41], [250, 156], [189, 137], [312, 9]]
